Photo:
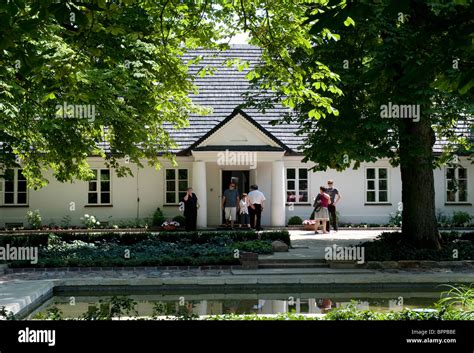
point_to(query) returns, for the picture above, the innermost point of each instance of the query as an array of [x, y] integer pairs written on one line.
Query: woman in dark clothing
[[190, 209]]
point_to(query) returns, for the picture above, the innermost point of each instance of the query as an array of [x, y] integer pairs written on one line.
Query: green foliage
[[52, 313], [295, 221], [35, 239], [34, 219], [66, 221], [122, 59], [6, 314], [158, 218], [90, 221], [395, 219], [180, 219], [130, 238], [256, 246], [68, 249], [132, 223], [459, 297], [361, 56], [393, 246], [461, 219], [350, 312], [122, 306], [113, 308]]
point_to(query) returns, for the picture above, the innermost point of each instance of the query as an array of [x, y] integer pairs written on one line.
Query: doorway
[[241, 178]]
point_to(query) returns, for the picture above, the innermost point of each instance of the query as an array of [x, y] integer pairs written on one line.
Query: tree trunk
[[419, 224]]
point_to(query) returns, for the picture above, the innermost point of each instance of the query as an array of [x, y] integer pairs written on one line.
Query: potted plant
[[309, 224], [170, 225], [295, 221]]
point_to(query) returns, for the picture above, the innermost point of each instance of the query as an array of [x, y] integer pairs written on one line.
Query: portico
[[238, 148]]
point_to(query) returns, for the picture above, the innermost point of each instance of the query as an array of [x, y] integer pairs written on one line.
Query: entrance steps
[[269, 263]]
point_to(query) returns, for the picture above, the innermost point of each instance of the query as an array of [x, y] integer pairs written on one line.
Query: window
[[13, 187], [297, 185], [99, 188], [456, 184], [175, 185], [376, 187]]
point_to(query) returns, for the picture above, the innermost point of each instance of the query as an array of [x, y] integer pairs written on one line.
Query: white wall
[[351, 185], [53, 201]]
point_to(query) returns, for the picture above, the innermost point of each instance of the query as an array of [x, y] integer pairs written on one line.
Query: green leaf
[[349, 21]]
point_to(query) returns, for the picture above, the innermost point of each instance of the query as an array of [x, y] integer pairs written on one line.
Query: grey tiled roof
[[462, 129], [223, 92]]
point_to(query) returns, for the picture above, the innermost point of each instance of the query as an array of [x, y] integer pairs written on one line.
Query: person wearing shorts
[[230, 202]]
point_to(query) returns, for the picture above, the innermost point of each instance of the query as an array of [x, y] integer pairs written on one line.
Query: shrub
[[257, 246], [24, 240], [460, 219], [395, 219], [393, 246], [90, 221], [66, 221], [281, 235], [158, 218], [180, 219], [295, 221], [34, 219]]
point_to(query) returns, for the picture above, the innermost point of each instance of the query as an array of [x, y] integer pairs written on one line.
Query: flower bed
[[121, 237], [141, 249], [219, 251]]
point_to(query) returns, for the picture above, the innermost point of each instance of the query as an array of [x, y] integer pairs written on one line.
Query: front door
[[240, 178]]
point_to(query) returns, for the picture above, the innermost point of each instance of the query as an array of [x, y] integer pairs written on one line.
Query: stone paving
[[308, 245]]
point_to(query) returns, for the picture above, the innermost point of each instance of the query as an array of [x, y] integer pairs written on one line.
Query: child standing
[[244, 210]]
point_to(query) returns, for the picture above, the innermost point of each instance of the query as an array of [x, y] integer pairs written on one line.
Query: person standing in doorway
[[257, 204], [190, 210], [230, 202], [335, 197]]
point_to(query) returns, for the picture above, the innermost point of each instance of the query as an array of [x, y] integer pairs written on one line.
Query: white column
[[278, 194], [200, 189], [202, 308]]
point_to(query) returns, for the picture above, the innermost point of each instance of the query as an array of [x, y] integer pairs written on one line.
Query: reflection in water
[[215, 304]]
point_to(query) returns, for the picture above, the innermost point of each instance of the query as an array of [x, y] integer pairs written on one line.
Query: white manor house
[[229, 144]]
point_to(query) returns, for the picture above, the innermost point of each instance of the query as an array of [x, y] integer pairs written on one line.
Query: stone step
[[293, 265], [291, 261]]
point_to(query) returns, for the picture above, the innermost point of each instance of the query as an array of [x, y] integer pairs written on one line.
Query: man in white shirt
[[257, 204]]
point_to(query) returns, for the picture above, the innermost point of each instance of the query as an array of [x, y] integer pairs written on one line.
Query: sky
[[241, 38]]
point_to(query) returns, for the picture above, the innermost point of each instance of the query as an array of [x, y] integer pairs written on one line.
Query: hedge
[[393, 246], [129, 238]]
